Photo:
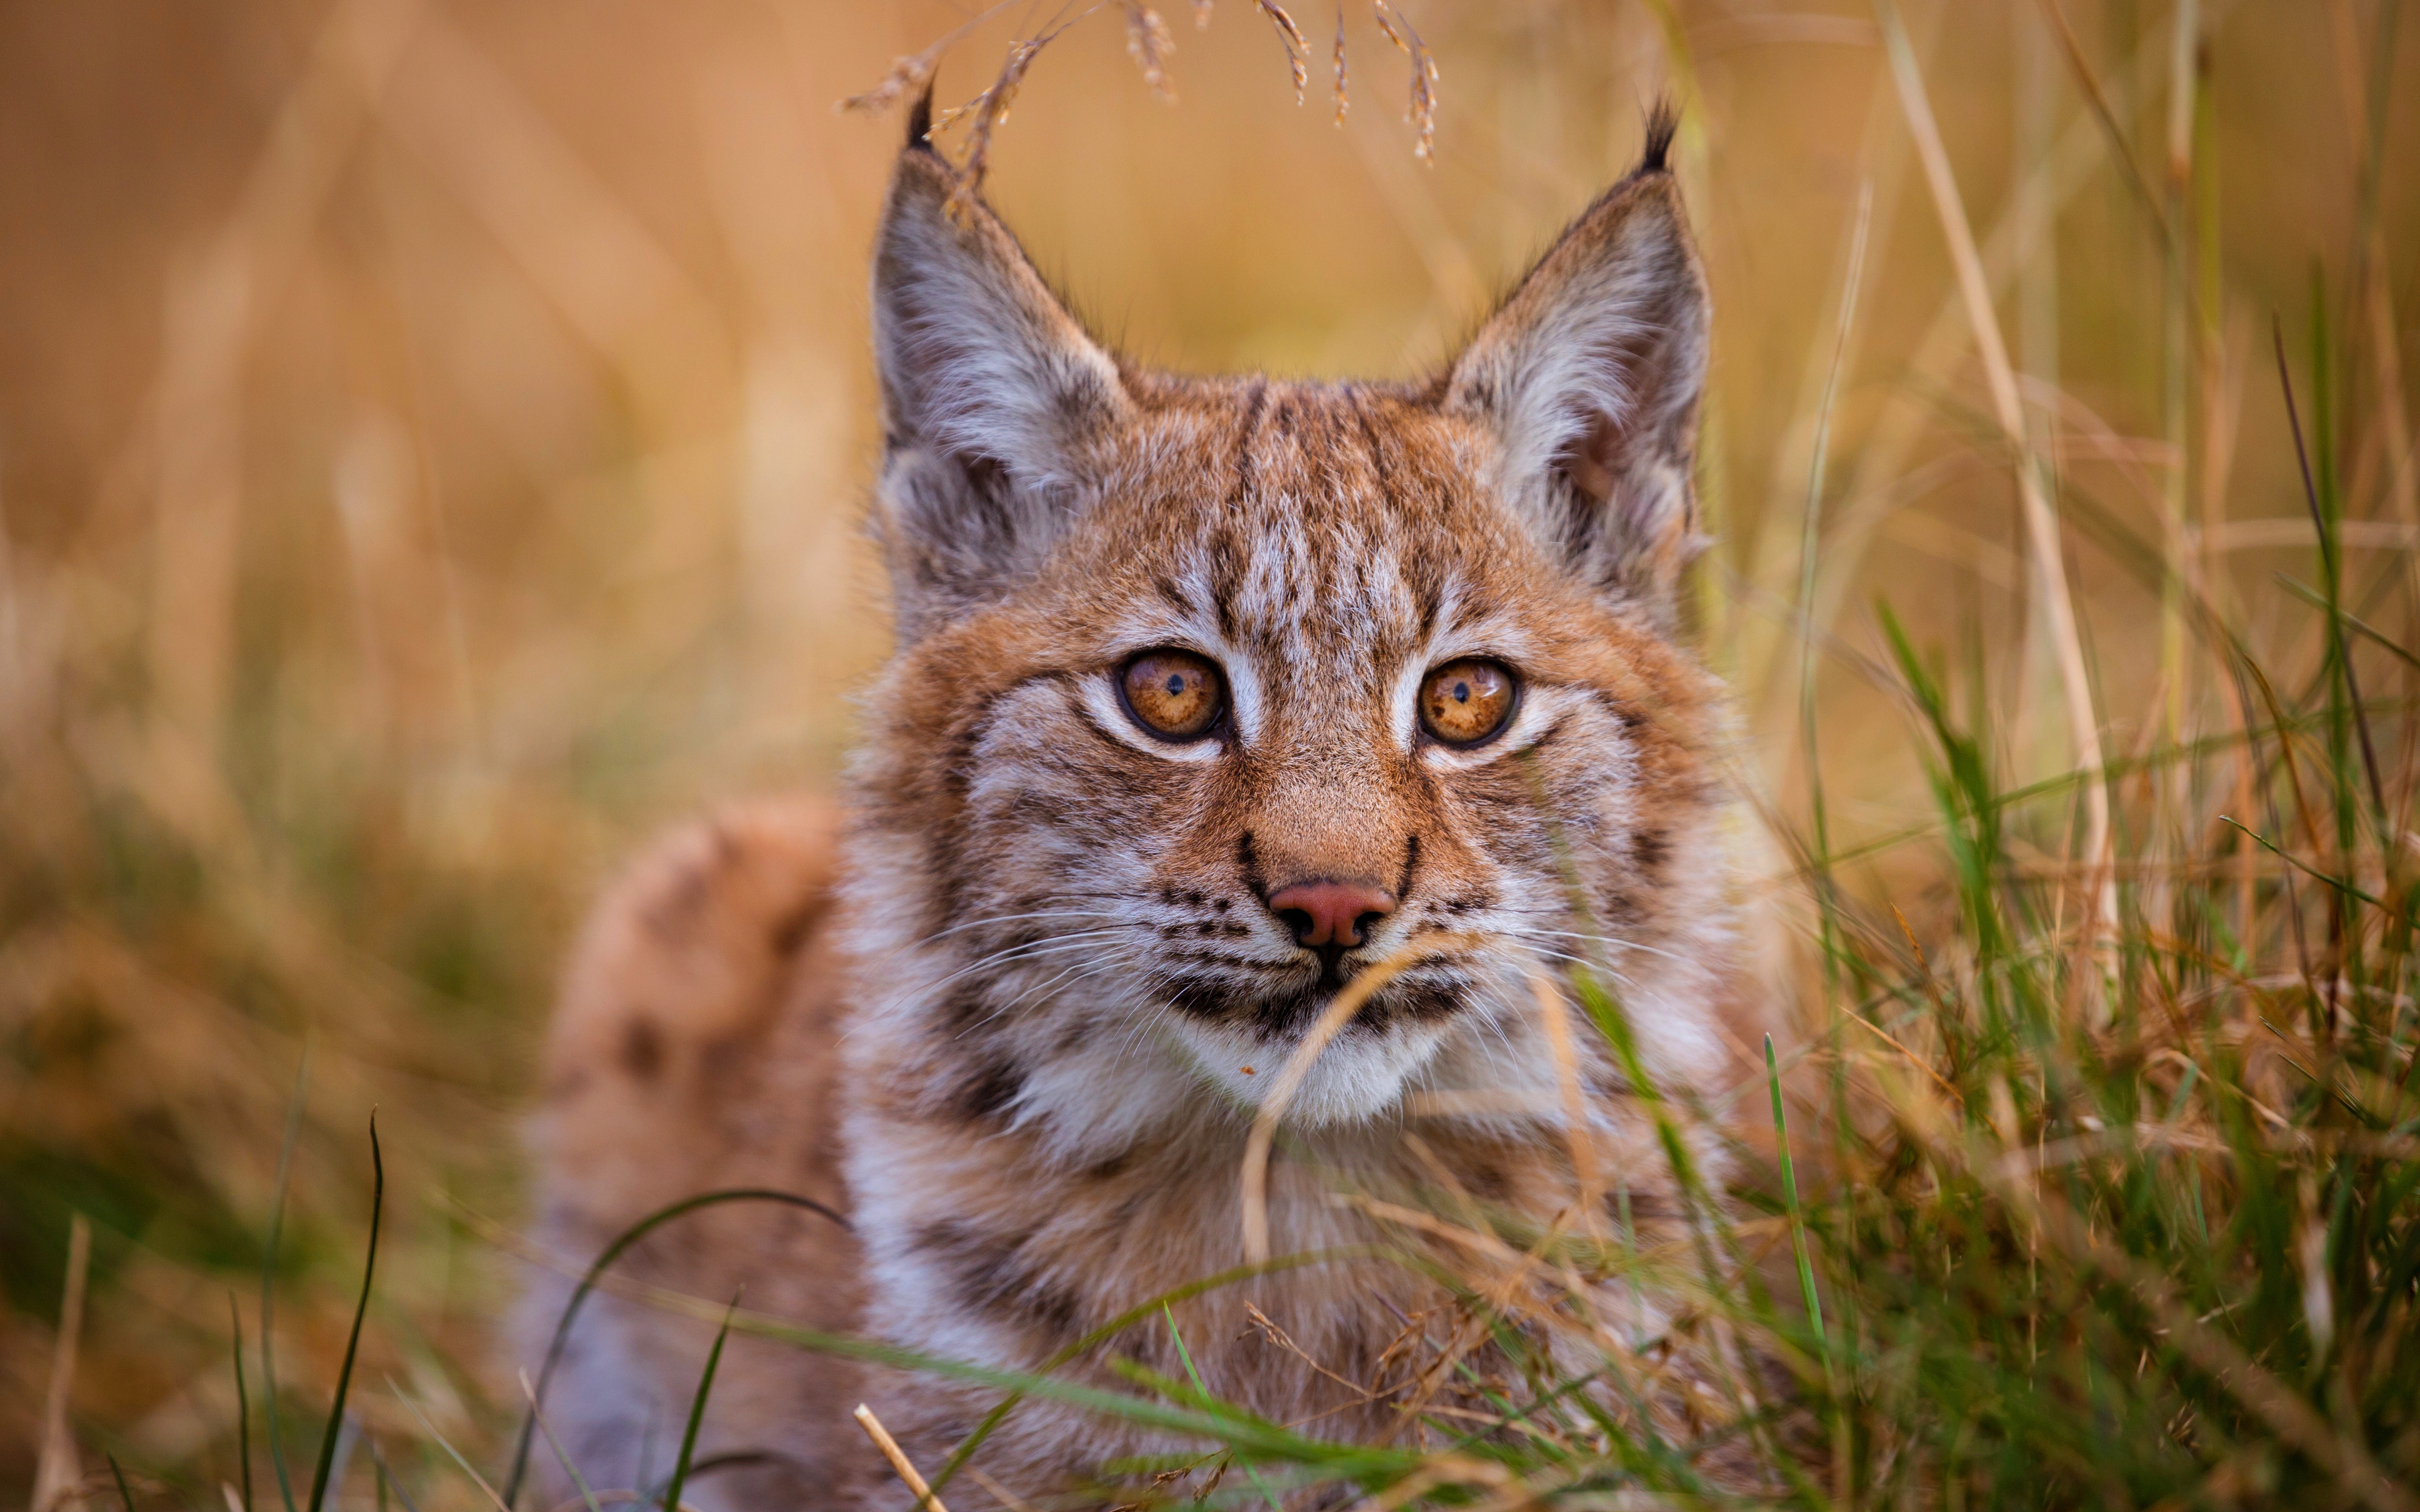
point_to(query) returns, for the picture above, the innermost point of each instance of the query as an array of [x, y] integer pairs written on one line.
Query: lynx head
[[1212, 692]]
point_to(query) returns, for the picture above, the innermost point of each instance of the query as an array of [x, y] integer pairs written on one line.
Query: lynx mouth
[[1284, 1011]]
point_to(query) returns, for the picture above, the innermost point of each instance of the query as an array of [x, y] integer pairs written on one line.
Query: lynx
[[1209, 694]]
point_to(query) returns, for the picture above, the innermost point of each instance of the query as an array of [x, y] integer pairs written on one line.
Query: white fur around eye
[[1099, 693]]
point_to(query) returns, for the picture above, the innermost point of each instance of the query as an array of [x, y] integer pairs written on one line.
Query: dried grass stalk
[[1148, 43], [1342, 103], [1297, 46], [1422, 111], [1338, 1013], [906, 80], [56, 1473], [988, 110]]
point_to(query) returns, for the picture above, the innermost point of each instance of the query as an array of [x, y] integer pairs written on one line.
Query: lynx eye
[[1173, 694], [1462, 702]]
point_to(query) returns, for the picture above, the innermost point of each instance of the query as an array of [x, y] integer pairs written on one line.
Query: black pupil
[[1175, 684], [1462, 692]]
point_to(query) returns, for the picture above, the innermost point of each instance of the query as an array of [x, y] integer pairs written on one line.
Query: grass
[[2078, 750]]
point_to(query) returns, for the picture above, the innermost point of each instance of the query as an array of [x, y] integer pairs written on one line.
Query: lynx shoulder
[[1209, 695]]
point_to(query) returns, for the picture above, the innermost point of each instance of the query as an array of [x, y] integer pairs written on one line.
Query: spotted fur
[[1049, 933]]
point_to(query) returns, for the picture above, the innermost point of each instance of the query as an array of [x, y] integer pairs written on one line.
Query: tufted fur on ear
[[992, 395], [1589, 377]]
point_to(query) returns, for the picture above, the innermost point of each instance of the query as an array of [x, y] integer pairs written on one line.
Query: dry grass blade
[[1332, 1019], [1422, 111], [1553, 1018], [900, 1464], [55, 1474], [1148, 43], [906, 79], [1297, 46], [989, 110], [2008, 409], [910, 75], [2120, 150], [1344, 102], [561, 1456]]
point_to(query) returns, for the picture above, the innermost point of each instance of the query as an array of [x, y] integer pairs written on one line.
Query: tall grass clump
[[457, 478]]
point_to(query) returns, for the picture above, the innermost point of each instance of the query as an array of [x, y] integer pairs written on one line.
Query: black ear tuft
[[920, 121], [1663, 121]]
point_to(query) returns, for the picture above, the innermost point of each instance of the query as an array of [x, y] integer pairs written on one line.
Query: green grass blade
[[242, 1404], [1790, 1198], [697, 1413], [268, 1281], [596, 1269], [123, 1494], [1187, 1355], [353, 1339], [2331, 564]]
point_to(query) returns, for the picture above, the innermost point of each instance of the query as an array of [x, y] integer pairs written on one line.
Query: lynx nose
[[1332, 914]]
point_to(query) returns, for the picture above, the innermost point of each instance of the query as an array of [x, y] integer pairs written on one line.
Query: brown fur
[[1052, 946]]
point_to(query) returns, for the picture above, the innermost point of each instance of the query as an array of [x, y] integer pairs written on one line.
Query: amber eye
[[1173, 694], [1462, 702]]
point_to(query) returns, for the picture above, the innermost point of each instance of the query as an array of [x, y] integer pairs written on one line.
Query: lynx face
[[1214, 692]]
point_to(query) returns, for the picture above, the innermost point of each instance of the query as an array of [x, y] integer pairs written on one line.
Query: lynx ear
[[991, 394], [1589, 377]]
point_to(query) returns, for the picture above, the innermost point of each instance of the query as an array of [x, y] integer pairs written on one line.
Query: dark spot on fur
[[1113, 1166], [1249, 862], [1650, 848], [963, 1009], [790, 932], [993, 1087], [990, 1279], [1222, 905], [1250, 428], [1417, 1002], [642, 1048]]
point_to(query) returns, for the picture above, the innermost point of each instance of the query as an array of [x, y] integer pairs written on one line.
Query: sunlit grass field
[[432, 437]]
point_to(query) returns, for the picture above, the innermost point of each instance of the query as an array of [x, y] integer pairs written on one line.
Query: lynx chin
[[1209, 693]]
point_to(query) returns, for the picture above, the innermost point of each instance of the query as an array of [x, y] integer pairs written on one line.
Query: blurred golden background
[[433, 434]]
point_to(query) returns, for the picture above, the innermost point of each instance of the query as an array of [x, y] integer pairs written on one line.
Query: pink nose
[[1330, 912]]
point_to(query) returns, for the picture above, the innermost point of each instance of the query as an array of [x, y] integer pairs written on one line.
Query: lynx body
[[1178, 738]]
